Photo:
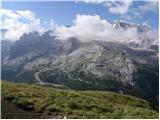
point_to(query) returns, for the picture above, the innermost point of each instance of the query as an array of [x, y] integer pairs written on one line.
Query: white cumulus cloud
[[120, 7], [87, 28], [15, 23], [114, 6], [149, 6], [137, 13]]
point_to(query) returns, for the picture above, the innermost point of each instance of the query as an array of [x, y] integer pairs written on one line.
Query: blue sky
[[95, 16], [65, 12]]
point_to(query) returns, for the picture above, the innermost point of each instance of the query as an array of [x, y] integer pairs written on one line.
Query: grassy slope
[[51, 102]]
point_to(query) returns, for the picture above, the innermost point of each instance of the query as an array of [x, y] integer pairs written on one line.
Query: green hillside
[[49, 102]]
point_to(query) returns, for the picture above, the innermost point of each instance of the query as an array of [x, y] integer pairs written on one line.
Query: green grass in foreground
[[52, 102]]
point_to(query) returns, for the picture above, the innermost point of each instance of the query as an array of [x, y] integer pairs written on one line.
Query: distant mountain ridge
[[93, 65]]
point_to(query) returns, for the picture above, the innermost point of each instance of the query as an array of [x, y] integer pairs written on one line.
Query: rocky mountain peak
[[120, 24]]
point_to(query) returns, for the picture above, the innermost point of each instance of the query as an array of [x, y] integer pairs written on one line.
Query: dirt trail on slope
[[38, 79]]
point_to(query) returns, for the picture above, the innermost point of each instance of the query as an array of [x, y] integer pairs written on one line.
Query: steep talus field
[[51, 102]]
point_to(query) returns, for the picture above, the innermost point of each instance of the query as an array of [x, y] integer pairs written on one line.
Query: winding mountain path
[[36, 75]]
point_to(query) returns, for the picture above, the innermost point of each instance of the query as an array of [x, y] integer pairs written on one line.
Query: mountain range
[[128, 67]]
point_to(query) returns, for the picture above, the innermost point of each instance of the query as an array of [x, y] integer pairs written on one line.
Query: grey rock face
[[5, 48], [125, 25], [102, 59]]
